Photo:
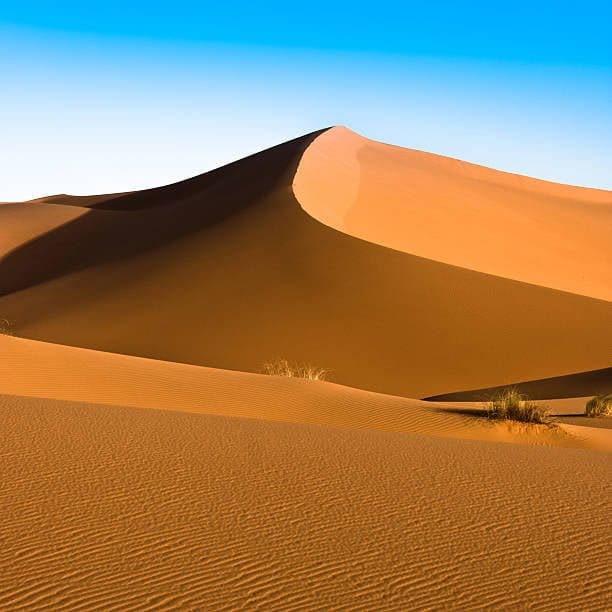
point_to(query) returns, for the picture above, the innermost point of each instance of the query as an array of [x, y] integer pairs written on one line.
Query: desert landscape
[[277, 385]]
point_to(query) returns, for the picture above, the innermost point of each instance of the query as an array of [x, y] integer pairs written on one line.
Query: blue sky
[[109, 96]]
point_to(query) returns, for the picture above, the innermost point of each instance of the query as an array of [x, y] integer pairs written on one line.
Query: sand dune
[[459, 213], [72, 200], [162, 471], [227, 270], [22, 223], [43, 370], [579, 384], [122, 509]]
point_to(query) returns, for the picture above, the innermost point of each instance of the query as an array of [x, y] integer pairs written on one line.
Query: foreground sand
[[129, 509]]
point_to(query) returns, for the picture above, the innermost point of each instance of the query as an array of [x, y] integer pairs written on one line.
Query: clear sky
[[104, 96]]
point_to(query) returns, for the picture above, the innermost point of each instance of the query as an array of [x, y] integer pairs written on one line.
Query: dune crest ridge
[[459, 213], [227, 270], [147, 464]]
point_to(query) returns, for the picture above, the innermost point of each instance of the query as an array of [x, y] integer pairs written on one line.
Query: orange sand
[[123, 509], [43, 370], [226, 270], [162, 471], [459, 213]]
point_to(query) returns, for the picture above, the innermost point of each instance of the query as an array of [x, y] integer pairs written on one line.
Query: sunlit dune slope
[[43, 370], [153, 474], [21, 223], [124, 509], [149, 219], [459, 213], [227, 270]]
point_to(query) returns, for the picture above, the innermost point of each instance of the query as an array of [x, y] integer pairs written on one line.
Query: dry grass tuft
[[511, 405], [600, 405], [281, 367], [6, 327]]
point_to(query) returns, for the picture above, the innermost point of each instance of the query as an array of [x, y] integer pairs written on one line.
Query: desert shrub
[[282, 367], [6, 327], [600, 405], [511, 405]]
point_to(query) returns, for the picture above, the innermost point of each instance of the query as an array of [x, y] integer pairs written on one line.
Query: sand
[[22, 223], [459, 213], [43, 370], [124, 509], [577, 384], [147, 464], [227, 270]]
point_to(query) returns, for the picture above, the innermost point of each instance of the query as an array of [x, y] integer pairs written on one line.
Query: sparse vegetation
[[600, 405], [282, 367], [6, 327], [511, 405]]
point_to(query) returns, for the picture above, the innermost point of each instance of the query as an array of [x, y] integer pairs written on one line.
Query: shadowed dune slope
[[227, 270], [580, 384], [22, 223], [459, 213], [74, 200], [121, 509], [122, 225], [136, 478]]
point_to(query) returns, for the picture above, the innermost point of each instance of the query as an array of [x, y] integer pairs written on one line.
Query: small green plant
[[600, 405], [6, 327], [282, 367], [511, 405]]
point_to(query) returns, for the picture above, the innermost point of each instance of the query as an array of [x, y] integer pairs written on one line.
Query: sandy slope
[[227, 270], [72, 200], [130, 483], [459, 213], [578, 384], [123, 509], [21, 223], [43, 370]]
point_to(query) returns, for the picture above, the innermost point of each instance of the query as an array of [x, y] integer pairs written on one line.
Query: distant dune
[[459, 213], [580, 384], [227, 270], [162, 470]]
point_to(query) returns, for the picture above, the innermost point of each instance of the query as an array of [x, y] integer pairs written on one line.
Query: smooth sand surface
[[123, 509], [21, 223], [75, 200], [227, 270], [459, 213]]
